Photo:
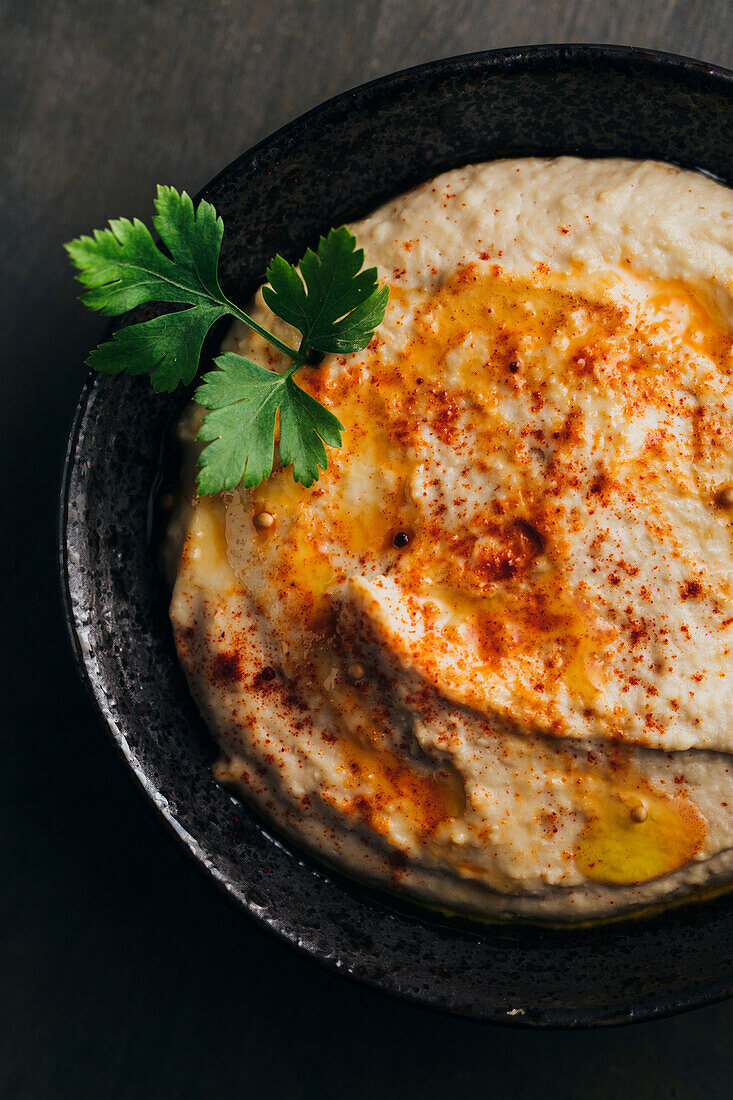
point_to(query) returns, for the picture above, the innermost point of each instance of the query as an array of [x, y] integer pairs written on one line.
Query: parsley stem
[[247, 320], [303, 351], [300, 360]]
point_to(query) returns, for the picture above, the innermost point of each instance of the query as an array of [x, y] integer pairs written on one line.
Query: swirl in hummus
[[486, 658]]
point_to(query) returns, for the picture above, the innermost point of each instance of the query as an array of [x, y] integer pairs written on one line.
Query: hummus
[[486, 658]]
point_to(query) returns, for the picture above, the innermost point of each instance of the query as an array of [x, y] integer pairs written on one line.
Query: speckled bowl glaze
[[335, 163]]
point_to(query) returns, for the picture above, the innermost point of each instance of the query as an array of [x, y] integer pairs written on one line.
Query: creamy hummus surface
[[486, 658]]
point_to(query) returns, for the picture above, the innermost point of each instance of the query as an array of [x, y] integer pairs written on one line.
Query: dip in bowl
[[485, 659], [338, 164]]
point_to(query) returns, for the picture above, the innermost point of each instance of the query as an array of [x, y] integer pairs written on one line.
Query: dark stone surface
[[125, 974]]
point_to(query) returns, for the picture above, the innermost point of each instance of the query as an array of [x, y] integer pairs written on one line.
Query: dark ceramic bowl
[[333, 164]]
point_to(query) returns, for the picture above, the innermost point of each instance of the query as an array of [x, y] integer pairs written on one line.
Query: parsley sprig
[[332, 301]]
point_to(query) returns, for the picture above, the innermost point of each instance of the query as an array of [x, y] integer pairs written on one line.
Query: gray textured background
[[124, 973]]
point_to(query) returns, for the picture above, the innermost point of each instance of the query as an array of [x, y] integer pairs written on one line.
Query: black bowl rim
[[504, 59]]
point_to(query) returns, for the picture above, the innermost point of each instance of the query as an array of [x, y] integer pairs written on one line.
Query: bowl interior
[[334, 164]]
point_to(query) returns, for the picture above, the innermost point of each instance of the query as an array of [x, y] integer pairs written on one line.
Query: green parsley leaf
[[168, 347], [339, 306], [243, 400], [334, 305], [122, 267]]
